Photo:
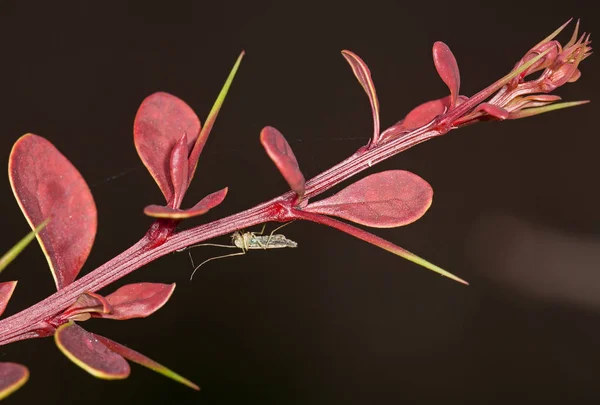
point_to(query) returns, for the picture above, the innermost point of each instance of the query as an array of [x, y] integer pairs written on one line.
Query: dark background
[[336, 320]]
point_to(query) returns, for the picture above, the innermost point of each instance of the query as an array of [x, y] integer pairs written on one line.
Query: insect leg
[[243, 252], [275, 230]]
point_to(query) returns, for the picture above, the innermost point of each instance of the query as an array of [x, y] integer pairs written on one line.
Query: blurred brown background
[[515, 210]]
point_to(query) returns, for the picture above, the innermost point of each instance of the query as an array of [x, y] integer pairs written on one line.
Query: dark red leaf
[[160, 211], [381, 200], [6, 290], [207, 203], [447, 68], [159, 124], [48, 186], [85, 350], [179, 170], [12, 377], [421, 115], [137, 300], [281, 154], [140, 359], [493, 110], [85, 304], [363, 74]]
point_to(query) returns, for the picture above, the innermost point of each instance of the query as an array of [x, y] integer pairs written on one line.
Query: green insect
[[249, 241]]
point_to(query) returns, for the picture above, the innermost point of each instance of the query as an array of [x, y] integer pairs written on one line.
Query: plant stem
[[36, 321]]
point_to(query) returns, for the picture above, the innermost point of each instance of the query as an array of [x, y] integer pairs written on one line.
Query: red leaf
[[12, 377], [137, 300], [160, 122], [493, 110], [207, 203], [447, 68], [363, 74], [382, 200], [85, 350], [6, 290], [179, 170], [85, 304], [48, 186], [140, 359], [420, 115], [281, 154]]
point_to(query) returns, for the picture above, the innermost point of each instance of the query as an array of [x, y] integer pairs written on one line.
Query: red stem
[[38, 320]]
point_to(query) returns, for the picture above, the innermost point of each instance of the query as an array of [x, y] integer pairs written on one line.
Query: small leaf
[[142, 360], [447, 68], [363, 74], [528, 112], [89, 353], [160, 122], [136, 300], [493, 110], [382, 200], [48, 186], [377, 241], [210, 120], [420, 116], [6, 291], [11, 255], [85, 304], [179, 170], [575, 76], [207, 203], [425, 113], [12, 377], [281, 154]]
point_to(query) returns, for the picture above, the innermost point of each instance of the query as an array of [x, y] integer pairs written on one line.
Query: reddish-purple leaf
[[381, 200], [447, 68], [210, 201], [137, 300], [493, 110], [575, 76], [179, 170], [140, 359], [84, 349], [85, 304], [543, 97], [417, 117], [207, 203], [159, 124], [12, 377], [281, 154], [6, 290], [363, 74], [48, 186]]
